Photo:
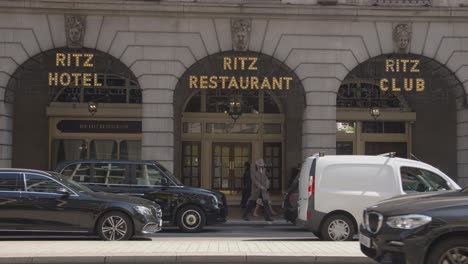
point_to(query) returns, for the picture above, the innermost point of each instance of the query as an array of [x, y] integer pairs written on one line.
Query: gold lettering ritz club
[[240, 82]]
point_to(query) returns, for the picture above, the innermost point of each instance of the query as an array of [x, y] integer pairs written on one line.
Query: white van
[[334, 190]]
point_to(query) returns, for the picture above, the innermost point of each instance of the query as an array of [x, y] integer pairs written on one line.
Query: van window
[[79, 172], [110, 173], [148, 175], [358, 177], [419, 180], [11, 182]]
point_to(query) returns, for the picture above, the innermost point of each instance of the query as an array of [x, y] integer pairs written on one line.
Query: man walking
[[260, 185]]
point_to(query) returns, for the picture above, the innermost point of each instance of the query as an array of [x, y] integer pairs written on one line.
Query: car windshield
[[70, 183], [169, 174]]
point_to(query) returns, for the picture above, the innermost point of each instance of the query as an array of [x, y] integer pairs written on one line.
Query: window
[[110, 173], [80, 172], [130, 150], [149, 175], [383, 127], [117, 173], [273, 160], [377, 148], [346, 127], [191, 164], [344, 148], [38, 183], [270, 128], [192, 127], [238, 128], [419, 180], [103, 149], [68, 149], [11, 182]]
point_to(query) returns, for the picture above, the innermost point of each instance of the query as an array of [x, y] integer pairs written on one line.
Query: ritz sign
[[248, 79], [64, 60], [406, 84]]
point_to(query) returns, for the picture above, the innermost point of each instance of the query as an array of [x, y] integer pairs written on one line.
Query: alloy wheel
[[338, 230], [191, 219], [114, 228], [456, 255]]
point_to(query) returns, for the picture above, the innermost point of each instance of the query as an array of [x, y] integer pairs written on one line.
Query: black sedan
[[37, 202], [425, 228], [187, 207]]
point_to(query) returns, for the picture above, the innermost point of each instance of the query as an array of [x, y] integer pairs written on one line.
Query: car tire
[[450, 247], [114, 226], [191, 219], [337, 228]]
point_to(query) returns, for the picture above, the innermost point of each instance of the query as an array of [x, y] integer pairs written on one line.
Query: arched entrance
[[74, 104], [213, 143], [418, 100]]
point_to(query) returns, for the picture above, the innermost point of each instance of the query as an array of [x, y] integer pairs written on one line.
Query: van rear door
[[306, 187]]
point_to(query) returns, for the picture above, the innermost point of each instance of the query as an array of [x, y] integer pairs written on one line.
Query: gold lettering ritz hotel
[[204, 86]]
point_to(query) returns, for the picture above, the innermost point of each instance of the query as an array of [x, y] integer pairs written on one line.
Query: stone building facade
[[318, 42]]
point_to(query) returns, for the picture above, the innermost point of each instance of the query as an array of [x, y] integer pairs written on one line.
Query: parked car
[[290, 198], [37, 202], [189, 208], [418, 229], [333, 190]]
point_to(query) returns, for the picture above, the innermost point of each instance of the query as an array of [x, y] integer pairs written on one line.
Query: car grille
[[373, 222]]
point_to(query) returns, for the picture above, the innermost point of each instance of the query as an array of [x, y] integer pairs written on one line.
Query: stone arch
[[437, 108], [290, 102], [31, 91]]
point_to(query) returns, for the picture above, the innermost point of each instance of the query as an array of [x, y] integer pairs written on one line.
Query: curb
[[184, 259]]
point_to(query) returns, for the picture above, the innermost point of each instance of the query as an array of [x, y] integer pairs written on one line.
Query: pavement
[[180, 251], [236, 241]]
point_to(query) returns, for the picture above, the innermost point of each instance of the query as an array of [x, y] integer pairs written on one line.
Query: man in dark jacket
[[246, 185]]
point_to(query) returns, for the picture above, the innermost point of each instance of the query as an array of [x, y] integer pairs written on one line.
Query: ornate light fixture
[[92, 108], [234, 107], [375, 112]]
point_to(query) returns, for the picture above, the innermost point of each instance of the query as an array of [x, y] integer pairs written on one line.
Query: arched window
[[114, 89], [365, 94], [217, 101]]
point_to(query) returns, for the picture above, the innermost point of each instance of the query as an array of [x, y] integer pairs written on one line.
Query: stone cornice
[[190, 9]]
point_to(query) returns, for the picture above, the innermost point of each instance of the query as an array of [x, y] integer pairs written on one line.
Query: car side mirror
[[63, 191]]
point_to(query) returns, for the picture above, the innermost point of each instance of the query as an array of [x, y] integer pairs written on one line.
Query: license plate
[[366, 241]]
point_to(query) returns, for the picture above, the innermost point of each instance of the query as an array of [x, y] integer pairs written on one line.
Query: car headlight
[[408, 221], [215, 201], [143, 210]]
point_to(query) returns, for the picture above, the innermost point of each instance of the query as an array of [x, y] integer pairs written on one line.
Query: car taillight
[[311, 186], [309, 214]]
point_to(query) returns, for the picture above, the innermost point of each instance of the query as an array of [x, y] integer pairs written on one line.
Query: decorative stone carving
[[75, 29], [402, 38], [240, 30]]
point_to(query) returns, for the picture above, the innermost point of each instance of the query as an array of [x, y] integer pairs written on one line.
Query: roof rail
[[388, 154], [319, 154]]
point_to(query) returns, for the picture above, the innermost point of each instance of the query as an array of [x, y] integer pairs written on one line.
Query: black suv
[[38, 202], [187, 207], [417, 229]]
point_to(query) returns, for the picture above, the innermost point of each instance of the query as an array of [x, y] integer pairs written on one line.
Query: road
[[240, 232]]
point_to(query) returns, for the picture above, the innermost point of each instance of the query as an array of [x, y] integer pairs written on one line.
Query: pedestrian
[[259, 187], [259, 201], [246, 185]]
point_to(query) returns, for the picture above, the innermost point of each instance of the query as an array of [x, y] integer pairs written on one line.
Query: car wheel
[[449, 252], [337, 228], [115, 226], [191, 219]]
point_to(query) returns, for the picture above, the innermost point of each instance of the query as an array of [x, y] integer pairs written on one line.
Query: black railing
[[403, 2]]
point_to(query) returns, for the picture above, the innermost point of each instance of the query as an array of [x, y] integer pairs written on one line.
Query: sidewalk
[[181, 251]]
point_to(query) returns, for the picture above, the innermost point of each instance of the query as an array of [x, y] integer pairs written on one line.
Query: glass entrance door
[[228, 165]]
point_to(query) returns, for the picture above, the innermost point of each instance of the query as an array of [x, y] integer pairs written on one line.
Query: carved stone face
[[403, 42], [75, 35], [240, 29], [240, 40]]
